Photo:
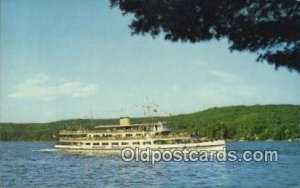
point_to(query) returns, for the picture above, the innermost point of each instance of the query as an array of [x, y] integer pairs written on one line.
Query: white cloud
[[41, 87], [228, 77], [76, 89]]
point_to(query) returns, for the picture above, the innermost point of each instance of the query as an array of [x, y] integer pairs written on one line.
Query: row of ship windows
[[115, 143], [118, 135]]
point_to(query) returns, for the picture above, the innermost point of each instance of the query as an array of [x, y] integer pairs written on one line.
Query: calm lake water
[[35, 164]]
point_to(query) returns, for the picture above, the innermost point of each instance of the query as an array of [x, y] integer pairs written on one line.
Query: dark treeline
[[259, 122]]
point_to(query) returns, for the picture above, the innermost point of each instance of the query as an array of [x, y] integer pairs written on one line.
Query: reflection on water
[[36, 164]]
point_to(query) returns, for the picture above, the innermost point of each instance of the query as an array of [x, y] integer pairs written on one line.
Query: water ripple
[[36, 164]]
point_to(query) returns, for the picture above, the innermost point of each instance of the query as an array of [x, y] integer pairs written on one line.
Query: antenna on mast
[[150, 109]]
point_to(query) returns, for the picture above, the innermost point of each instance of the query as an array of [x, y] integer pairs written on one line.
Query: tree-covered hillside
[[259, 122], [243, 122]]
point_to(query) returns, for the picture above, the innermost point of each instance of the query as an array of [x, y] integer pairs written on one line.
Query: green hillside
[[259, 122]]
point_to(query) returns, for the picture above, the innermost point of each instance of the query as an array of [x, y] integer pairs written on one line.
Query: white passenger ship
[[112, 138]]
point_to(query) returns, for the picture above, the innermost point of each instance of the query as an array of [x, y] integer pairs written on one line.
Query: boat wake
[[47, 150]]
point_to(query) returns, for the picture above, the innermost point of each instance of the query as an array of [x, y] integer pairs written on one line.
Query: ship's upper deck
[[128, 126], [124, 127], [157, 127]]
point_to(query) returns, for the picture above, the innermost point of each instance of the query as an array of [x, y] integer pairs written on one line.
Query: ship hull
[[217, 145]]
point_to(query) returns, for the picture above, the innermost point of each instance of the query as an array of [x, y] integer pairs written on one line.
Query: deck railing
[[123, 138]]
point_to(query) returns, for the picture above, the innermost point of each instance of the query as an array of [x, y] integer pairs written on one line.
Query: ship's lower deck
[[209, 145]]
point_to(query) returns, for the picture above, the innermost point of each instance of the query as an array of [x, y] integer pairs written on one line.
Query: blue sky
[[64, 59]]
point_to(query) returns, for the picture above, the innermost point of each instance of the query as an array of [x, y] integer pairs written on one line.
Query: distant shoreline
[[249, 123]]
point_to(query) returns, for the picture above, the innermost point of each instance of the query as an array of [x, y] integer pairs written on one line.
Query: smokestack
[[124, 121]]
